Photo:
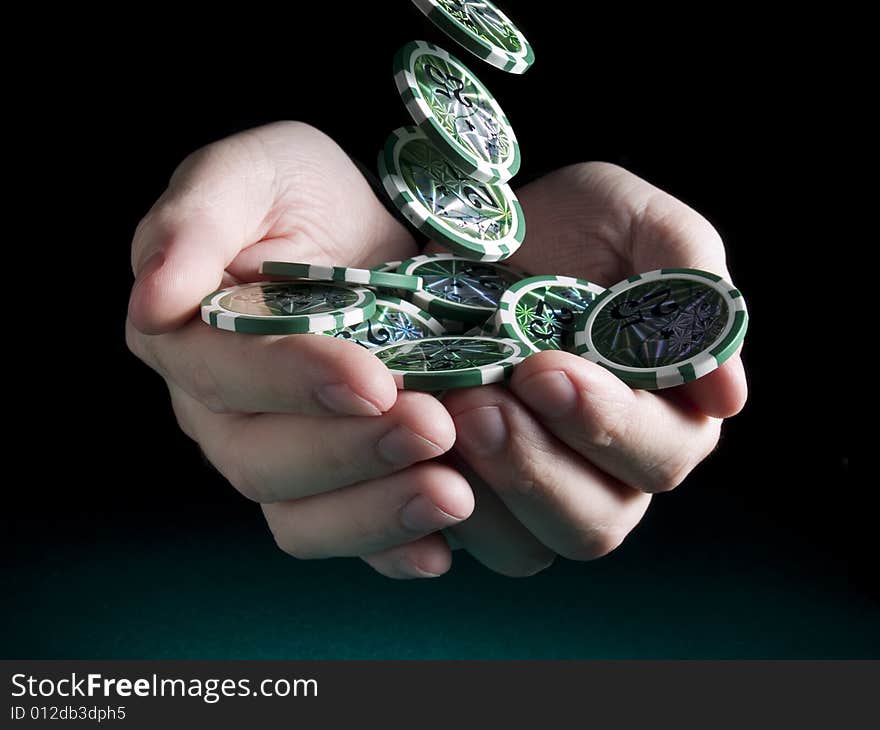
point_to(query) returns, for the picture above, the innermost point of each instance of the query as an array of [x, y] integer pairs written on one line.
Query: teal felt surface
[[228, 593]]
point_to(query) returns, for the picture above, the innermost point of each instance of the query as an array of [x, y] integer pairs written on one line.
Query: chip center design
[[485, 22], [461, 108], [478, 210], [660, 323], [287, 299]]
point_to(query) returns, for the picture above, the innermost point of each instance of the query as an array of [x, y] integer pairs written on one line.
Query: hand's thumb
[[215, 206], [183, 260]]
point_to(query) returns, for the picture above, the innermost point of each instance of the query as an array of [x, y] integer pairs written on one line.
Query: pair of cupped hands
[[561, 461]]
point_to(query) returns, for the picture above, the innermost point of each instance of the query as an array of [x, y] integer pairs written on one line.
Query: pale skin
[[562, 462]]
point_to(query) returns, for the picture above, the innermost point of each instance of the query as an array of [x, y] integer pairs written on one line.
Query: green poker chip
[[483, 29], [444, 363], [541, 311], [663, 328], [391, 266], [479, 221], [366, 277], [457, 113], [394, 320], [286, 308], [457, 288]]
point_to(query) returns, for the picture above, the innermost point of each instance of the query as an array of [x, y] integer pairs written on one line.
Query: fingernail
[[402, 447], [414, 571], [340, 398], [420, 514], [481, 431], [151, 265], [550, 393]]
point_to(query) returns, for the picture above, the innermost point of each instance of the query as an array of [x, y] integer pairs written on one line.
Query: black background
[[713, 109]]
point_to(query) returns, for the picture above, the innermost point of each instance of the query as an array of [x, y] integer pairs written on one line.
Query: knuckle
[[146, 348], [527, 469], [204, 156], [597, 167], [667, 474], [585, 173], [184, 420], [154, 229], [606, 423], [238, 477], [364, 531], [595, 542], [713, 436], [206, 388], [184, 425], [675, 466], [243, 474], [333, 458], [290, 541]]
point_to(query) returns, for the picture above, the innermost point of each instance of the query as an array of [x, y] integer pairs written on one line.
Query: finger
[[237, 373], [562, 499], [371, 516], [647, 442], [494, 537], [427, 557], [284, 184], [218, 202], [720, 394], [271, 458]]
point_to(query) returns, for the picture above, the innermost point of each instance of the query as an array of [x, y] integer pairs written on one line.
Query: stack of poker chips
[[461, 319]]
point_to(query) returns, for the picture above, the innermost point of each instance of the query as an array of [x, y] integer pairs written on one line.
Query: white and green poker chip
[[457, 112], [395, 320], [663, 328], [458, 288], [483, 29], [391, 266], [541, 311], [444, 363], [479, 221], [366, 277], [285, 308]]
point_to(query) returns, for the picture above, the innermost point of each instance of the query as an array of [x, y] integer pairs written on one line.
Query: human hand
[[566, 459], [312, 428]]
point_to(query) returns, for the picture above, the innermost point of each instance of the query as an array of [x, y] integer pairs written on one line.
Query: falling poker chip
[[663, 328], [394, 320], [284, 308], [444, 363], [483, 29], [479, 221], [541, 311], [457, 113], [457, 288]]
